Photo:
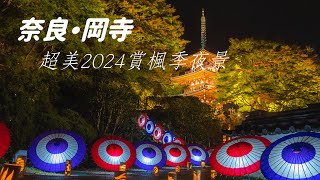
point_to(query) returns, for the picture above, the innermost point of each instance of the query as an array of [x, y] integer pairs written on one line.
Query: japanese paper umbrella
[[178, 140], [50, 151], [142, 120], [240, 156], [167, 137], [158, 133], [296, 156], [108, 152], [150, 125], [150, 154], [177, 154], [4, 139], [198, 154]]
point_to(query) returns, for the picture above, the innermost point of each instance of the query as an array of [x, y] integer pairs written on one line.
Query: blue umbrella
[[198, 154], [50, 151], [150, 154], [295, 156], [167, 137], [150, 125]]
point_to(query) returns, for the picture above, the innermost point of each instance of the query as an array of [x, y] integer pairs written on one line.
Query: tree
[[90, 102], [269, 76], [189, 119]]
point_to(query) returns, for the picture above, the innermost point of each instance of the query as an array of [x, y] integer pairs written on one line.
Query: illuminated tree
[[270, 76]]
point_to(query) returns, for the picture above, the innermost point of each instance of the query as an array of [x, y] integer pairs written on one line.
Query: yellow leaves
[[269, 76], [274, 107], [264, 97], [156, 22], [237, 66], [138, 29]]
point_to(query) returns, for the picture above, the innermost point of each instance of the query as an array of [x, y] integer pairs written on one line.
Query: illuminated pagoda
[[199, 79]]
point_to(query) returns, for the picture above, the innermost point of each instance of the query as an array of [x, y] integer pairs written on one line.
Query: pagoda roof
[[190, 58], [202, 72], [200, 92]]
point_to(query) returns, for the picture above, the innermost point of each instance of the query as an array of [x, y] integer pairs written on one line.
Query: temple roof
[[203, 73], [261, 122], [189, 59], [207, 89]]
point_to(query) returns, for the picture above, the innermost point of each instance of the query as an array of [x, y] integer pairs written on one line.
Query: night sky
[[292, 22]]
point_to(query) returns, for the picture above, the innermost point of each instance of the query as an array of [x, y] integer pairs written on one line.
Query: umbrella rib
[[279, 165], [302, 170]]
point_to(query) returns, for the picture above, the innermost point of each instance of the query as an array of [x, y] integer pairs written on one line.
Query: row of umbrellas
[[156, 131], [291, 157], [50, 151], [296, 156]]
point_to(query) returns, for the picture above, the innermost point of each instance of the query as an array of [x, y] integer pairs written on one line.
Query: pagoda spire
[[203, 30]]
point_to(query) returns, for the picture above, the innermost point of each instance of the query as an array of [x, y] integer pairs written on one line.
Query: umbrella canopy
[[167, 137], [149, 154], [20, 153], [108, 152], [177, 154], [198, 154], [239, 156], [150, 125], [178, 140], [142, 120], [158, 133], [5, 139], [50, 151], [295, 156]]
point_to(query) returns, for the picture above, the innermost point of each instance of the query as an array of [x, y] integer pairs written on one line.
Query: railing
[[198, 89], [208, 68]]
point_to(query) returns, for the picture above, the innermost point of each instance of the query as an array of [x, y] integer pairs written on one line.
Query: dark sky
[[292, 22]]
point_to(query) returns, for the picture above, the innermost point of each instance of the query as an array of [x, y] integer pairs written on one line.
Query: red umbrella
[[240, 156], [108, 152], [142, 120], [158, 133], [178, 140], [177, 154], [4, 139]]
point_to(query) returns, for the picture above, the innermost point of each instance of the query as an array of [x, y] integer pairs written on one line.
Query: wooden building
[[278, 124], [199, 80]]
